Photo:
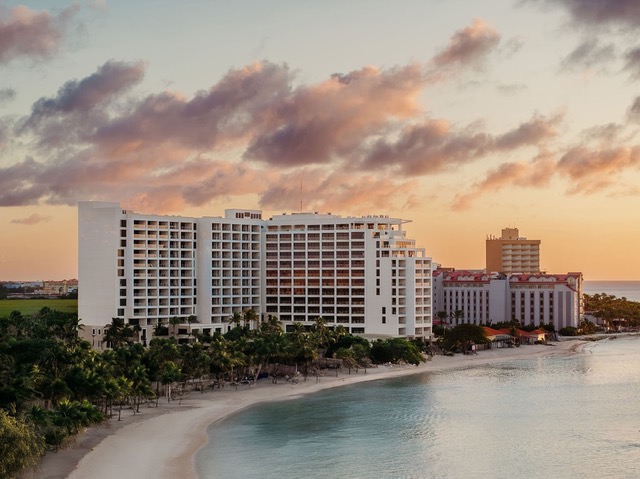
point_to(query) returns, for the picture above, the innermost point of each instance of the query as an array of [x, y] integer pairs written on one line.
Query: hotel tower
[[363, 273]]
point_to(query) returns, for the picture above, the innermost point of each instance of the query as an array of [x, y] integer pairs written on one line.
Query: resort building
[[485, 298], [361, 273], [512, 254]]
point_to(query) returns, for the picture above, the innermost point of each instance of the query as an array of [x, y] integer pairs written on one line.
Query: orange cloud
[[593, 170], [536, 173], [319, 123], [468, 46]]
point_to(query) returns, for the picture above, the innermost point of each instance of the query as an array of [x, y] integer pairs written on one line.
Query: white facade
[[531, 299], [361, 273]]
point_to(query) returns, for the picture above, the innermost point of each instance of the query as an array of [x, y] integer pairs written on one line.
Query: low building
[[486, 298]]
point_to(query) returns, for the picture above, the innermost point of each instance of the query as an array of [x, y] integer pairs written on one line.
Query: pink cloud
[[28, 33], [316, 124], [536, 173], [434, 146], [592, 170], [468, 46]]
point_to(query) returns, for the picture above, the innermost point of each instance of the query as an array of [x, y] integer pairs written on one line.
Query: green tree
[[119, 333], [463, 336], [20, 446]]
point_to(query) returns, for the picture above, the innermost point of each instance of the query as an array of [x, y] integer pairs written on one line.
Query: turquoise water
[[576, 416]]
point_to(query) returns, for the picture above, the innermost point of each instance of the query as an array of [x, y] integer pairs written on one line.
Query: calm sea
[[571, 417], [628, 289]]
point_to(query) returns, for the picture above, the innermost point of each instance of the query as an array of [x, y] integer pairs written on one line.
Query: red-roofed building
[[477, 297]]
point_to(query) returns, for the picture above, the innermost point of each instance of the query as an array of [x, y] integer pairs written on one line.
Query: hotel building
[[531, 299], [361, 273], [512, 254]]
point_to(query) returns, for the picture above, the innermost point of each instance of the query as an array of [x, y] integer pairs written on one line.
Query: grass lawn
[[30, 306]]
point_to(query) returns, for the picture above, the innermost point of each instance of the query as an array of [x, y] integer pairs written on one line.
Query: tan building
[[512, 254]]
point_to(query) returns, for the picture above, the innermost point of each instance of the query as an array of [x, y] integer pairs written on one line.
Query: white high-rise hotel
[[361, 273]]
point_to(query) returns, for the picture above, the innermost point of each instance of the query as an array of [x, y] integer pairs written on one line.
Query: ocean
[[628, 289], [563, 417]]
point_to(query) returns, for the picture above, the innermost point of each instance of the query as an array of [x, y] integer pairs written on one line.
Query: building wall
[[98, 242]]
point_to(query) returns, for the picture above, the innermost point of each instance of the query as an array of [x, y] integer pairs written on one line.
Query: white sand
[[161, 442]]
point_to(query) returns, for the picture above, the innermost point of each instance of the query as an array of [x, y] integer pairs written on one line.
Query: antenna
[[300, 194]]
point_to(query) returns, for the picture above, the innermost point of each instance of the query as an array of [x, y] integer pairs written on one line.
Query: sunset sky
[[464, 116]]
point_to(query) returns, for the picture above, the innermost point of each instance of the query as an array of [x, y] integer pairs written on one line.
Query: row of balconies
[[155, 274], [142, 254], [153, 244], [238, 274], [163, 293], [306, 237], [235, 237], [163, 225], [315, 281], [236, 282], [237, 264], [315, 264], [235, 255], [235, 227], [234, 291], [154, 302], [240, 301], [163, 312], [231, 246]]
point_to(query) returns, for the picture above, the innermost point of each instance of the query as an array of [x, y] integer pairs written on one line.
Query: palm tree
[[118, 333], [175, 321], [442, 316], [250, 318], [160, 352], [456, 316]]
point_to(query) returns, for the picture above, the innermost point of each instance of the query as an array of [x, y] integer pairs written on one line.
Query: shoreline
[[163, 442]]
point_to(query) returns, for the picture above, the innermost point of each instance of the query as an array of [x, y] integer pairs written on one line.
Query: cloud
[[632, 62], [233, 109], [331, 191], [592, 170], [7, 94], [594, 13], [31, 34], [434, 146], [355, 138], [590, 53], [469, 46], [536, 173], [634, 110], [31, 220], [109, 80], [314, 125], [80, 106], [511, 89]]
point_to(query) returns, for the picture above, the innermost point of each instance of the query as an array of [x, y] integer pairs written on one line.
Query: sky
[[465, 117]]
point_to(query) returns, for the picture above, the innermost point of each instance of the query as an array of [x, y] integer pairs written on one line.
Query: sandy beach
[[162, 442]]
